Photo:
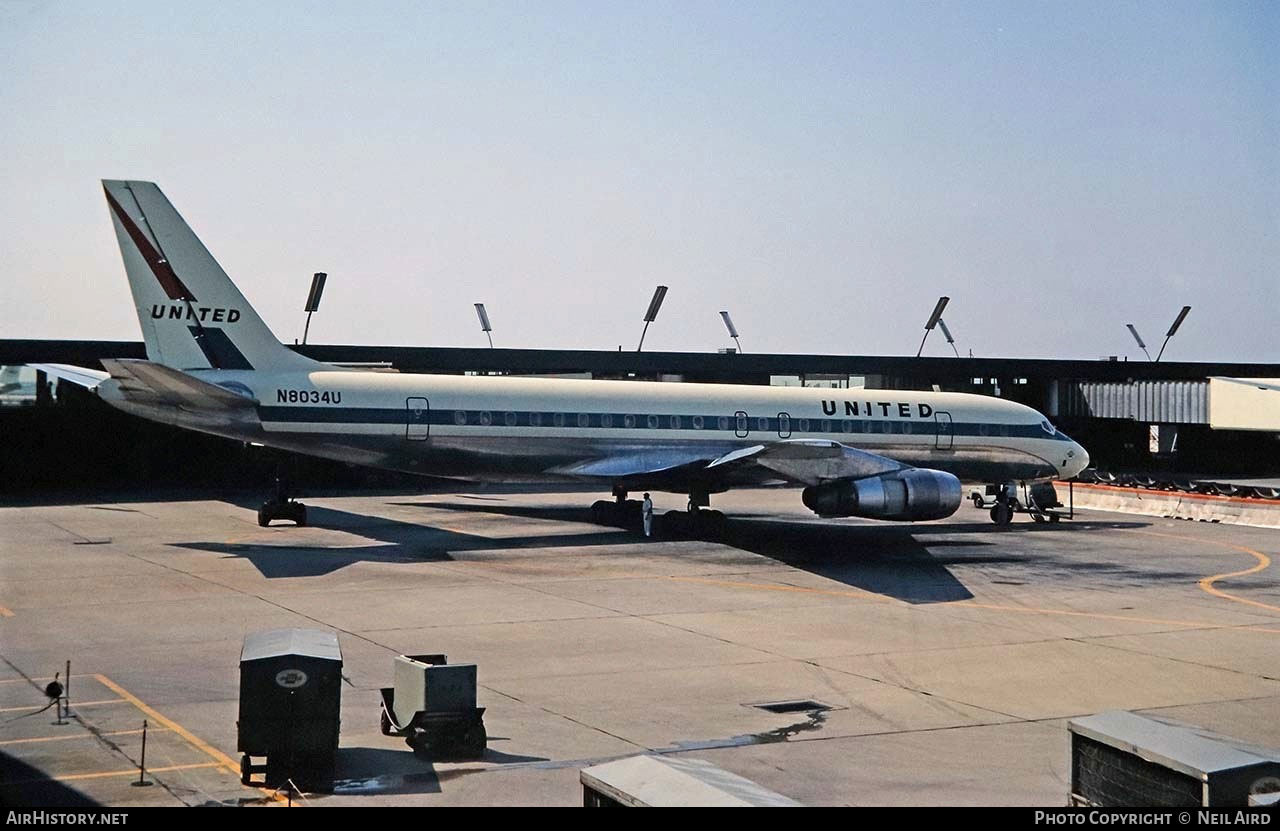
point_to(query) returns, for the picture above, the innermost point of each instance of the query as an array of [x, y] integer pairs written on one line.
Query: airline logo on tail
[[205, 314]]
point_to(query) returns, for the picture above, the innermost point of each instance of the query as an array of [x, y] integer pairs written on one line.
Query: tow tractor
[[1040, 500]]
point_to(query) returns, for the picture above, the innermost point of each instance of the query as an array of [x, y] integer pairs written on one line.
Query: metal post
[[642, 331], [142, 765]]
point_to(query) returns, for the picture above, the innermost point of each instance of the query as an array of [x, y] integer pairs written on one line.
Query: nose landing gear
[[1039, 500]]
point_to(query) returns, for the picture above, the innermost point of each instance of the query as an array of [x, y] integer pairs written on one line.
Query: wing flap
[[809, 461]]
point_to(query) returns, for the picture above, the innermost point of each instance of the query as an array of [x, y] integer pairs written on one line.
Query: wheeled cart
[[433, 706]]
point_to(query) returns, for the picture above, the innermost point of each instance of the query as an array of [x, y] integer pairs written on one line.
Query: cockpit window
[[1048, 428]]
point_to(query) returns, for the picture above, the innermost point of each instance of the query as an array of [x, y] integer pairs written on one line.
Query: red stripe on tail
[[169, 281]]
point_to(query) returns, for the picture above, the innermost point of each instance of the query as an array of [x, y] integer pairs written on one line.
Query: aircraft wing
[[805, 461], [809, 461]]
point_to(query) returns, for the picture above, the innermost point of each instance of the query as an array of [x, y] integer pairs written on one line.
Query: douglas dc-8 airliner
[[214, 366]]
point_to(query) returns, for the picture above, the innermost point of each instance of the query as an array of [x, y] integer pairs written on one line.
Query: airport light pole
[[933, 321], [1182, 315], [313, 300], [485, 326], [652, 313], [1138, 338], [733, 331], [942, 324]]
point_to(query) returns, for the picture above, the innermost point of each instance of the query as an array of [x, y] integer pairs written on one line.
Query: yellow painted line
[[74, 705], [222, 760], [83, 736], [200, 744], [1206, 583], [133, 771], [963, 604]]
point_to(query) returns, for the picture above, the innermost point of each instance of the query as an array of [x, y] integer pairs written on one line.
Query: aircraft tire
[[264, 517]]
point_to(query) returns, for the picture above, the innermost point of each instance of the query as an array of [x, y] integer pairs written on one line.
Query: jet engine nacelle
[[909, 495]]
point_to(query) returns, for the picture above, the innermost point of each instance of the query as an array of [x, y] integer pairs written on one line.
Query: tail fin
[[192, 315]]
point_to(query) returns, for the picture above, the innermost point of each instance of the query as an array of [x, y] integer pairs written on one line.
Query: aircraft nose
[[1077, 461]]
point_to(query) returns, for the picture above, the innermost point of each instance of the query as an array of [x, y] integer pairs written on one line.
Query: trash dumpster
[[290, 699]]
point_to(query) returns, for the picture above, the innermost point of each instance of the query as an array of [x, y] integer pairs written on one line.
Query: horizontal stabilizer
[[88, 378], [152, 383]]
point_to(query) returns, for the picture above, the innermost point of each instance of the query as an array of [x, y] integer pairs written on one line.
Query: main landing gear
[[698, 522], [282, 506]]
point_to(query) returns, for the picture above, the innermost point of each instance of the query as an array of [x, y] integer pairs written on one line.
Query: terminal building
[[1192, 418]]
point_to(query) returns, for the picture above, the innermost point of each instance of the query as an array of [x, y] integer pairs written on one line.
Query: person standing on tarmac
[[646, 512]]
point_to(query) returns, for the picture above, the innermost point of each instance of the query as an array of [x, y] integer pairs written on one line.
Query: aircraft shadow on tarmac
[[402, 542], [381, 771], [898, 561], [907, 562]]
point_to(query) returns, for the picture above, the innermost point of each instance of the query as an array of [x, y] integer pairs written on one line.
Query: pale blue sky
[[824, 171]]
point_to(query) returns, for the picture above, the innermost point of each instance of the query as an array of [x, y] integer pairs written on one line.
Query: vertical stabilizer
[[192, 315]]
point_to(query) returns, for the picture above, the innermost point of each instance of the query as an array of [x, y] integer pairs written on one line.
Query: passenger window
[[584, 419], [824, 426], [804, 425], [697, 422], [535, 419], [559, 419], [629, 421], [762, 424], [460, 417], [486, 418], [510, 418], [606, 420], [675, 422], [723, 422], [652, 421]]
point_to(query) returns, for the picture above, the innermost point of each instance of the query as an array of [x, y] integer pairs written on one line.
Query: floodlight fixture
[[1133, 331], [651, 313], [942, 324], [485, 326], [1182, 315], [313, 300], [933, 321], [733, 330]]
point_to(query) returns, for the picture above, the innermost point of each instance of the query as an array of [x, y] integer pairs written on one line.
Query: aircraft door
[[417, 419], [946, 432], [784, 425], [740, 427]]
